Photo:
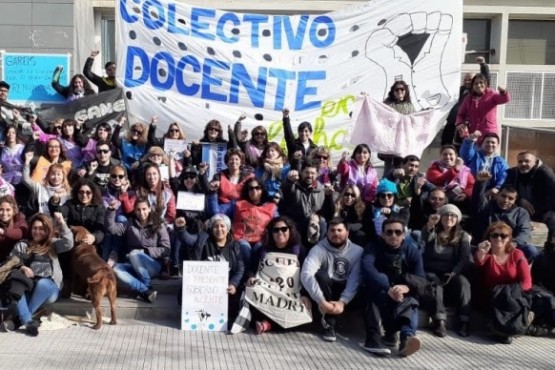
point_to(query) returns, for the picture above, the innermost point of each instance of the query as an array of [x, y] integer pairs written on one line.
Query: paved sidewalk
[[137, 345]]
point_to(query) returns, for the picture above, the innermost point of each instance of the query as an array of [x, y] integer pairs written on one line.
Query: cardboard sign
[[175, 147], [204, 305], [190, 201]]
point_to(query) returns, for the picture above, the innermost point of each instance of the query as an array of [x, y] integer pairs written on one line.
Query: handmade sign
[[192, 64], [190, 201], [204, 305], [277, 291]]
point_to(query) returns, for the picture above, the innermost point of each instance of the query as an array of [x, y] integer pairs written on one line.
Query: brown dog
[[100, 277]]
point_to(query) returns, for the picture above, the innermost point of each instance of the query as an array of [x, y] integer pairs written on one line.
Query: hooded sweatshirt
[[342, 266]]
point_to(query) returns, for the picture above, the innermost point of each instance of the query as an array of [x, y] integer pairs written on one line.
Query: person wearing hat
[[384, 206], [446, 256]]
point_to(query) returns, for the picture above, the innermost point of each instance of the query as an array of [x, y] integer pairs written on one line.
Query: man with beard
[[302, 201], [103, 83], [331, 274], [390, 266], [535, 183], [410, 182], [422, 207], [502, 207]]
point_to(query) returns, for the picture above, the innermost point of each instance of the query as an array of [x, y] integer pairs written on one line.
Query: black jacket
[[103, 83], [294, 145], [90, 217]]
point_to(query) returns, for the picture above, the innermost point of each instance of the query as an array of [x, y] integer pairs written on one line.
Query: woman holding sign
[[281, 237], [217, 244]]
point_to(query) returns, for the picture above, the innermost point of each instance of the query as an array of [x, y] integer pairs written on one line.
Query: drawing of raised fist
[[410, 47]]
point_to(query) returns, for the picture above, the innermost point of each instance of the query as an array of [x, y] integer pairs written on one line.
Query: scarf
[[273, 168]]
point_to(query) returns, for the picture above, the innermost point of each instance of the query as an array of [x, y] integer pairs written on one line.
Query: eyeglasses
[[386, 195], [190, 176], [436, 199], [4, 91], [325, 157], [256, 187], [390, 232], [103, 151], [116, 176], [498, 235], [282, 229], [53, 147], [174, 130], [138, 132], [449, 214], [399, 89], [156, 155], [85, 192], [259, 133], [349, 195]]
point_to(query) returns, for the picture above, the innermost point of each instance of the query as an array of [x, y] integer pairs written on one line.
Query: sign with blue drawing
[[204, 305], [30, 76]]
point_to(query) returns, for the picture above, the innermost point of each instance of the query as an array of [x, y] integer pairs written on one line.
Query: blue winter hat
[[386, 186]]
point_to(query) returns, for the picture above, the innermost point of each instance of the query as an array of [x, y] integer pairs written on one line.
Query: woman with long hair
[[174, 132], [321, 158], [213, 134], [254, 146], [54, 154], [478, 111], [148, 244], [360, 172], [161, 197], [73, 149], [280, 236], [13, 226], [133, 146], [272, 169], [233, 178], [446, 256], [55, 183], [39, 258], [11, 157], [78, 86]]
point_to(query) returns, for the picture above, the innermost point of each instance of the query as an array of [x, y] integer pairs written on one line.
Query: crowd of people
[[457, 232]]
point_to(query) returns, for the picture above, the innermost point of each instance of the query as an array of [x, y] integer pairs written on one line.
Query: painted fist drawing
[[410, 47]]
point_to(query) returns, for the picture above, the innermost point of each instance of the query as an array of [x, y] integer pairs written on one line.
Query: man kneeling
[[389, 264]]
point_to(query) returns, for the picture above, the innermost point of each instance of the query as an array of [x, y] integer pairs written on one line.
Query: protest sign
[[204, 305], [175, 147], [276, 292], [214, 154], [30, 76], [190, 201], [217, 64], [91, 109]]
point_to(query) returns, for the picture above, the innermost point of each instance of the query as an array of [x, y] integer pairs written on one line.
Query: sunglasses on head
[[498, 235], [282, 229], [390, 232], [103, 151], [255, 187], [386, 195], [116, 176]]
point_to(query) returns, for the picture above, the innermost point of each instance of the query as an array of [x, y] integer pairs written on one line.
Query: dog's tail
[[99, 275]]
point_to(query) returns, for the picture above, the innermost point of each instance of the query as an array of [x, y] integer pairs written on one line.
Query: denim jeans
[[44, 291], [113, 243], [138, 272]]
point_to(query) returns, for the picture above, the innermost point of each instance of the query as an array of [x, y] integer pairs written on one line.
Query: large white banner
[[190, 64]]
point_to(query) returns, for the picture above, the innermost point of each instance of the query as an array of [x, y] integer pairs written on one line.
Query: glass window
[[108, 40], [531, 42], [478, 39]]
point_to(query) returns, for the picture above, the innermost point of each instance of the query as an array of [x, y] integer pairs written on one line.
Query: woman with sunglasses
[[254, 146], [156, 155], [187, 182], [122, 200], [213, 134], [174, 132], [360, 172], [478, 111], [384, 207], [281, 236], [55, 183], [350, 206], [500, 263], [217, 244], [399, 99], [272, 169], [320, 156], [233, 178], [102, 133], [446, 257], [133, 146], [147, 245]]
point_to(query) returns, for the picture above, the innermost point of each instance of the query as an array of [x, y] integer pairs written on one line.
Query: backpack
[[510, 309]]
